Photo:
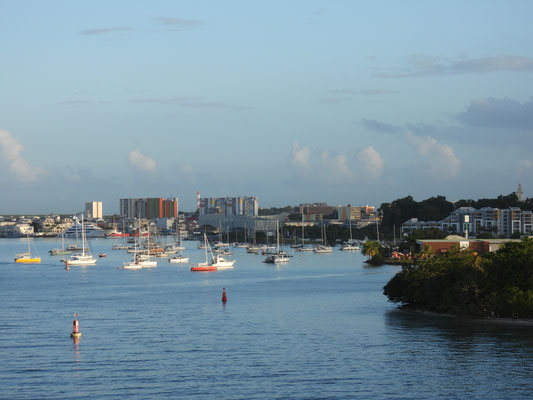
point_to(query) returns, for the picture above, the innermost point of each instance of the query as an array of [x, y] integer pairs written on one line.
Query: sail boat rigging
[[85, 257], [26, 257], [280, 256]]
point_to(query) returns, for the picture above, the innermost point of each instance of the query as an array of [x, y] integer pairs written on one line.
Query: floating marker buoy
[[224, 298], [66, 265], [75, 328]]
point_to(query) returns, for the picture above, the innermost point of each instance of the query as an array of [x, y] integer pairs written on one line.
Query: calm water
[[316, 328]]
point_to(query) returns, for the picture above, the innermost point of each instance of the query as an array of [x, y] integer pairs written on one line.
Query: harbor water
[[318, 327]]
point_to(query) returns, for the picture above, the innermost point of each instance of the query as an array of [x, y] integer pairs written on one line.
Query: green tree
[[371, 248], [460, 282]]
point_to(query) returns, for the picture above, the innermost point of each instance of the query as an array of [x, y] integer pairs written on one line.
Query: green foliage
[[400, 210], [510, 200], [371, 248], [459, 282], [275, 210], [485, 235]]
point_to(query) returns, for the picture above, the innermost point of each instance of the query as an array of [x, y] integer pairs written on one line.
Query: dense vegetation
[[460, 282]]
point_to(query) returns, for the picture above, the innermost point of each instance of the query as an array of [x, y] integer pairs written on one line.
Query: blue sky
[[348, 102]]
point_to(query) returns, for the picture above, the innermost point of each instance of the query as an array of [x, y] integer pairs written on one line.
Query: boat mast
[[350, 221], [82, 237], [302, 227], [277, 236]]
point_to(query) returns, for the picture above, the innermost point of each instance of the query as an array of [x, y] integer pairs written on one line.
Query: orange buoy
[[224, 298], [75, 328], [66, 265]]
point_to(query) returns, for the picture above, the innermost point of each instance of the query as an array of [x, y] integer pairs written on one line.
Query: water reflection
[[464, 330]]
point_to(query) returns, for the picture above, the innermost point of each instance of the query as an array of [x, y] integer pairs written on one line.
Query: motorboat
[[178, 259]]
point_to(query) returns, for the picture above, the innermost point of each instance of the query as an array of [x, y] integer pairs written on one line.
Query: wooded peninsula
[[460, 282]]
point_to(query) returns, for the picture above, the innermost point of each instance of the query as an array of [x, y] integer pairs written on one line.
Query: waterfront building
[[149, 208], [242, 205], [14, 230], [466, 221], [93, 209], [357, 213]]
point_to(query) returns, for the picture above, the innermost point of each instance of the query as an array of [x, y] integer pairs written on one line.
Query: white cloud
[[335, 168], [371, 161], [440, 157], [299, 158], [11, 149], [140, 161]]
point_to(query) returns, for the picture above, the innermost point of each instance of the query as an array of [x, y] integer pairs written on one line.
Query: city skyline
[[342, 102]]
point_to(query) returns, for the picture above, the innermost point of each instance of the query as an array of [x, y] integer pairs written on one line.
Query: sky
[[344, 102]]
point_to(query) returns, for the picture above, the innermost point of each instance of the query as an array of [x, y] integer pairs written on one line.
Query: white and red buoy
[[224, 298], [75, 328]]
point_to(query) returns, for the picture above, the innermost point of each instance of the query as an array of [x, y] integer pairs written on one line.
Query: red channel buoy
[[224, 298], [75, 327]]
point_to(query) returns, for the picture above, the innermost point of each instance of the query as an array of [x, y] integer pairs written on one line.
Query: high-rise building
[[150, 208], [229, 206], [94, 209], [356, 213]]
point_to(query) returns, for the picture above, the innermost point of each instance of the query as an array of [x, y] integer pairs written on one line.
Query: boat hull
[[81, 262], [177, 260], [204, 268], [34, 260]]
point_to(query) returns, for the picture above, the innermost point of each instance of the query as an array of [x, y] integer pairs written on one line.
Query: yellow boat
[[26, 258]]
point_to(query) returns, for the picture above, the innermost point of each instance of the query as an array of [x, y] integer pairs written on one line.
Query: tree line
[[460, 282]]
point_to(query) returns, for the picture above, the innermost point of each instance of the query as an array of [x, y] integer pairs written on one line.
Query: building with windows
[[468, 221], [248, 206], [93, 209], [357, 213], [149, 208]]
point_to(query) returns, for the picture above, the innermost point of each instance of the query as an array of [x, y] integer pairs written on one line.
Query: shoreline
[[510, 321]]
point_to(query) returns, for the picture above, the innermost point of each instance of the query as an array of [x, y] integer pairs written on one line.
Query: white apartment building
[[469, 221], [94, 209]]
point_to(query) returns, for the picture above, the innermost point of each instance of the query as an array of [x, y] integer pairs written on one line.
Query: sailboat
[[135, 262], [350, 245], [205, 266], [180, 258], [85, 257], [279, 256], [323, 248], [62, 251], [26, 257], [302, 246], [253, 248], [146, 258]]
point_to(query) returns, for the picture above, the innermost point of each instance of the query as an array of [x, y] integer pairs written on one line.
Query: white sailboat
[[180, 258], [303, 247], [204, 266], [350, 245], [85, 257], [279, 256], [146, 259], [323, 248]]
